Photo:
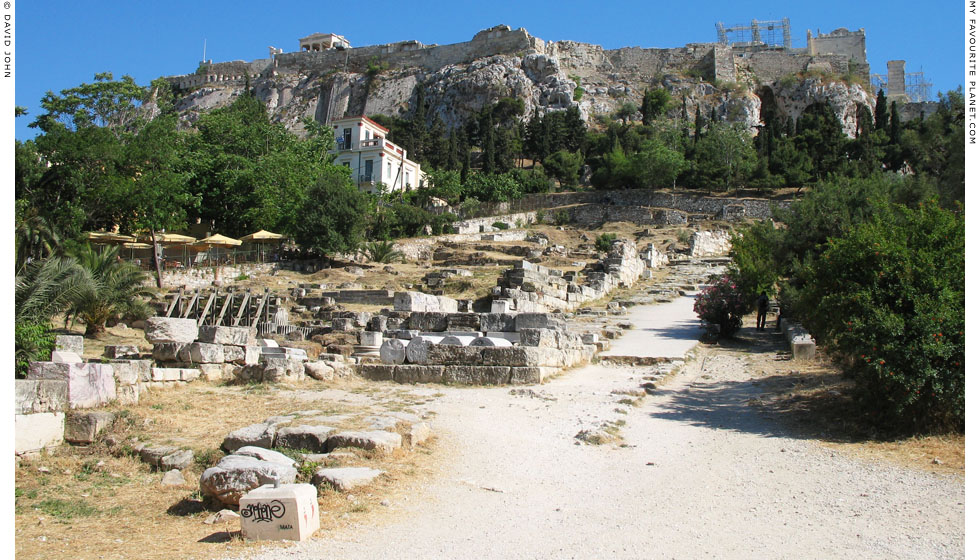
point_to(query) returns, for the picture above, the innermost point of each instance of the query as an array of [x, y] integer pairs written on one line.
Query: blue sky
[[60, 44]]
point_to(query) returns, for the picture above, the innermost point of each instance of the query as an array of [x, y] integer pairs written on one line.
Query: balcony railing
[[372, 143], [366, 179]]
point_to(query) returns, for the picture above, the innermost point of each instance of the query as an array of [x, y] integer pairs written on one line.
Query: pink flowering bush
[[722, 304]]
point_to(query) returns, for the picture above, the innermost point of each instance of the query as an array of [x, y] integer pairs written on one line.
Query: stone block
[[417, 301], [64, 357], [441, 354], [190, 374], [180, 459], [202, 353], [417, 350], [69, 343], [267, 343], [418, 374], [165, 374], [428, 321], [378, 372], [215, 372], [236, 475], [321, 371], [477, 375], [266, 455], [308, 438], [121, 352], [500, 306], [234, 354], [128, 372], [803, 348], [287, 512], [463, 322], [489, 341], [168, 351], [128, 394], [167, 329], [392, 351], [380, 440], [548, 338], [345, 479], [84, 427], [257, 435], [498, 322], [372, 338], [231, 336], [33, 396], [538, 321], [33, 432], [343, 324], [89, 385]]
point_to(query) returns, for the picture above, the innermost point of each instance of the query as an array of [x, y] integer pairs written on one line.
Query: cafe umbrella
[[261, 237]]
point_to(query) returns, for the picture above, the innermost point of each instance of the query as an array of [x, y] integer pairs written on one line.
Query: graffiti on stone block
[[264, 511]]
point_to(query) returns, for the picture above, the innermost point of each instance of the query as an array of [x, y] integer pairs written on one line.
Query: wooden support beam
[[228, 298], [207, 308], [241, 309], [173, 304], [258, 312], [187, 312]]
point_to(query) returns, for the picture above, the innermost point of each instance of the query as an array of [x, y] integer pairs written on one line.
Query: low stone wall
[[205, 277], [483, 225]]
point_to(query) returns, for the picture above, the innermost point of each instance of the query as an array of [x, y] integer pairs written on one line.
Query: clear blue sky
[[60, 44]]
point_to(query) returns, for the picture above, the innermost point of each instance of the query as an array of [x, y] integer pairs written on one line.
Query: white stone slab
[[289, 512]]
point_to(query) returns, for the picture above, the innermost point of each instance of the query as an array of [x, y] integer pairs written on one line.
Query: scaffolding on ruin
[[917, 88], [769, 34]]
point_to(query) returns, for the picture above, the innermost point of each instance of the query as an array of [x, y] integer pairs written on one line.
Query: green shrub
[[722, 304], [604, 242], [501, 225], [889, 296], [34, 342], [561, 218]]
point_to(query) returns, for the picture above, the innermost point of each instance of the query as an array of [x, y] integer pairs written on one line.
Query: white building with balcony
[[320, 42], [376, 164]]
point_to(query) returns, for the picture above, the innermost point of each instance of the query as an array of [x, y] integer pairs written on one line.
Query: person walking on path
[[763, 305]]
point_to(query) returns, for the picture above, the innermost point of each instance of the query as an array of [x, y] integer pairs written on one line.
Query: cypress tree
[[896, 123], [881, 111]]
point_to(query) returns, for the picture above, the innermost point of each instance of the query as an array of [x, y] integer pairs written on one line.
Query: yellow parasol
[[262, 237]]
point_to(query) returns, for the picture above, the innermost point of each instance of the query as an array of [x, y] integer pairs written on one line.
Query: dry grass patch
[[815, 399], [81, 508]]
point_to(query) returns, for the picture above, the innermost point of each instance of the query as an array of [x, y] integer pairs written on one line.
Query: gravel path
[[699, 473]]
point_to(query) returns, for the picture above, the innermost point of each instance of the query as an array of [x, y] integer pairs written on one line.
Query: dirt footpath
[[699, 472]]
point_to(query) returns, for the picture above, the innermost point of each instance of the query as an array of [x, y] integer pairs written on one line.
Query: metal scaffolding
[[917, 89], [775, 33]]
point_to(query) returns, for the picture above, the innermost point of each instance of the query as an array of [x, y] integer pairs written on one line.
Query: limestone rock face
[[235, 475], [460, 80]]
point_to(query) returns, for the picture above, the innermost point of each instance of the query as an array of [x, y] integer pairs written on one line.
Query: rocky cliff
[[460, 79]]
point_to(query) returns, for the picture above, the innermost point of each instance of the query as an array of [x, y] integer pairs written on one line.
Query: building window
[[389, 170], [347, 138]]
